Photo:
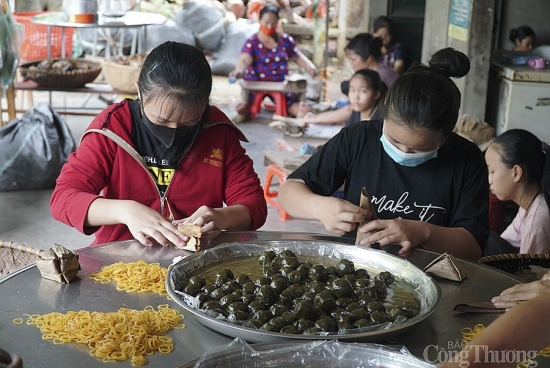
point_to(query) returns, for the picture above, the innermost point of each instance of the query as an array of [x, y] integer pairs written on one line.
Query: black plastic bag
[[33, 149]]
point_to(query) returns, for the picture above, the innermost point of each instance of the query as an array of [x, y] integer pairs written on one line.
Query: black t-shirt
[[450, 190], [355, 117]]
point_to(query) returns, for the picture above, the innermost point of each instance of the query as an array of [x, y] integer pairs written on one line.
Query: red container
[[35, 40]]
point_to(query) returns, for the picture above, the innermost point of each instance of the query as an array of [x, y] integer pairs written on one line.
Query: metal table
[[132, 19], [26, 292]]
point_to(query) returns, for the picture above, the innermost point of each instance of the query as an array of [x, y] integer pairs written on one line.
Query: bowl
[[234, 255]]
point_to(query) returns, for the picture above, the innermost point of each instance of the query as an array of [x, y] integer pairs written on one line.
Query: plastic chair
[[270, 197], [280, 102]]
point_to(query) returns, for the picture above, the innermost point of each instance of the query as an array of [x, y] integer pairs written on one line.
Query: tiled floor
[[25, 215]]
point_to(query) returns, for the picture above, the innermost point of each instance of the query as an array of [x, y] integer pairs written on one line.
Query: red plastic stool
[[274, 170], [280, 102]]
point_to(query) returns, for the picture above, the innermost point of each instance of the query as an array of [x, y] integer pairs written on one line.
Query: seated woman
[[523, 38], [166, 156], [362, 52], [428, 185], [519, 171], [392, 51], [265, 57], [365, 89]]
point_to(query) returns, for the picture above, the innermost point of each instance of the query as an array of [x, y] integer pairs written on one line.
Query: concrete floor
[[25, 215]]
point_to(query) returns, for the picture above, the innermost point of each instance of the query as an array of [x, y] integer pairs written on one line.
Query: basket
[[121, 77], [35, 39], [52, 78], [515, 263]]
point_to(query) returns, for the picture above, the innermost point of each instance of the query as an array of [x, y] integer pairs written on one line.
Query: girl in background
[[519, 171], [365, 89], [523, 38], [362, 52]]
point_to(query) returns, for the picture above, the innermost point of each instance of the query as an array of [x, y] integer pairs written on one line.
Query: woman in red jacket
[[166, 156]]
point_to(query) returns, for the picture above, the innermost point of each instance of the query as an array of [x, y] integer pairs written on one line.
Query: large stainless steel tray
[[420, 284]]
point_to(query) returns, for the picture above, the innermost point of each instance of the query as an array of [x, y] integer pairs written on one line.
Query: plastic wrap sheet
[[422, 286], [9, 55], [330, 353]]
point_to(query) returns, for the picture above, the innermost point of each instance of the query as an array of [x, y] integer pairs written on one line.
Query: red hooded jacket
[[214, 172]]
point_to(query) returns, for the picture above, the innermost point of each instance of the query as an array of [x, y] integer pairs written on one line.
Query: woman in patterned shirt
[[265, 57]]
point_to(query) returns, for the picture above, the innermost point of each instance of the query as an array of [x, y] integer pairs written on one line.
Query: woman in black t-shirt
[[428, 185]]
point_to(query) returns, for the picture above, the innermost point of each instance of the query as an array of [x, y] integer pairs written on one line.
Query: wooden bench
[[10, 97], [89, 88]]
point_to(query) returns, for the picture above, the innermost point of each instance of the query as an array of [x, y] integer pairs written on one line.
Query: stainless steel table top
[[25, 292], [130, 19]]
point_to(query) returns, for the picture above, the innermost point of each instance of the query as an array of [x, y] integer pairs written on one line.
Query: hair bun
[[450, 62]]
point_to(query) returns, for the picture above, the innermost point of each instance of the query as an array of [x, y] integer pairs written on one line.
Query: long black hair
[[425, 97], [178, 74], [175, 71], [269, 9], [373, 80], [523, 148]]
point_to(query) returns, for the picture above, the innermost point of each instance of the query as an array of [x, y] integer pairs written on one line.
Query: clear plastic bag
[[9, 55], [318, 354]]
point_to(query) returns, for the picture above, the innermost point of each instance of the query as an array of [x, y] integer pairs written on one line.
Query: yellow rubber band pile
[[112, 336], [134, 276], [468, 334]]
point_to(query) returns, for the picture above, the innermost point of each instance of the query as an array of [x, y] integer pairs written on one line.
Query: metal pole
[[326, 34]]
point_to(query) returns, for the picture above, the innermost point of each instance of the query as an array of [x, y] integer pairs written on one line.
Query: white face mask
[[403, 158]]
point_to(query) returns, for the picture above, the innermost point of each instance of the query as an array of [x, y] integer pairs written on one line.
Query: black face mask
[[168, 136]]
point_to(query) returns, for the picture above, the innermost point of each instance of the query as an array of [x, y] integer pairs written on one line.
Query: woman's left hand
[[211, 220], [407, 233]]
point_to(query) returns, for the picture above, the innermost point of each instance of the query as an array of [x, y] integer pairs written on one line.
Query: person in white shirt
[[519, 171]]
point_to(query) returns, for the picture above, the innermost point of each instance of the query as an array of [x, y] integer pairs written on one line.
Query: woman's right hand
[[339, 216], [511, 297], [147, 225]]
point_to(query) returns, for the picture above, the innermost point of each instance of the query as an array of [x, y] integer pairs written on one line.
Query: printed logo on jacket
[[215, 158]]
